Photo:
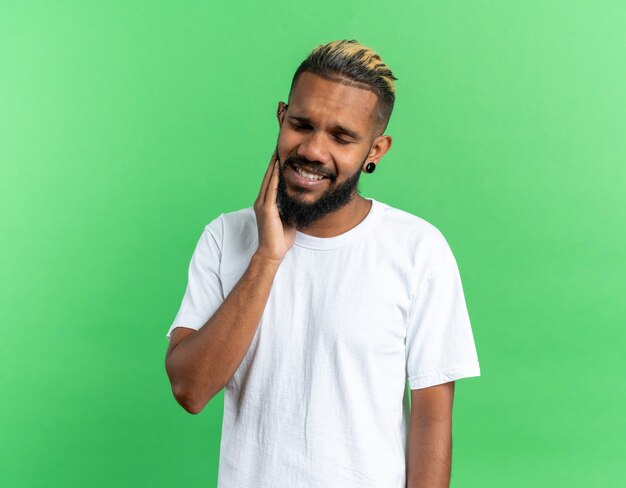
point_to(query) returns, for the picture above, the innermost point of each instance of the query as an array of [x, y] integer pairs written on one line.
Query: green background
[[125, 127]]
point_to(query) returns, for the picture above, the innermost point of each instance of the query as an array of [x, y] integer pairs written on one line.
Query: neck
[[342, 220]]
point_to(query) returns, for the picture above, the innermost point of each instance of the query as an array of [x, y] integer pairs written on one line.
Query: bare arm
[[430, 437], [200, 363]]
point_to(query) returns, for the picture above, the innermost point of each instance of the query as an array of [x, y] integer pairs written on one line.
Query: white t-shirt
[[320, 399]]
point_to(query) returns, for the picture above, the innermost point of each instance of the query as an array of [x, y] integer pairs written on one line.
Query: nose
[[313, 148]]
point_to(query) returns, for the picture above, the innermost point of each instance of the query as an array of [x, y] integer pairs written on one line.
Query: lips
[[299, 180], [307, 170]]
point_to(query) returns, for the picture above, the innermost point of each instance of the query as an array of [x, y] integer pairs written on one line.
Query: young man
[[315, 307]]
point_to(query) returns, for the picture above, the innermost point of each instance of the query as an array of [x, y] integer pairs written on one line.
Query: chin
[[306, 198]]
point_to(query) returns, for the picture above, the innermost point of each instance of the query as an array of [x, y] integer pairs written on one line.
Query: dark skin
[[200, 363], [430, 437], [326, 104]]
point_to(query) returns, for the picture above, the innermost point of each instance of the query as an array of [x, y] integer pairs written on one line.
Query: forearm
[[203, 362], [429, 453]]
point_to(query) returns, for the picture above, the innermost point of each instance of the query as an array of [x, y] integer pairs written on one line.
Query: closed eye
[[299, 127]]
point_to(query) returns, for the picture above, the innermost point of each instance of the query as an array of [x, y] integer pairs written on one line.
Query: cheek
[[349, 167], [286, 135], [287, 143]]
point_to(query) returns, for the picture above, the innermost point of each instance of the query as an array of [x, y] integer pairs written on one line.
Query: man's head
[[340, 102]]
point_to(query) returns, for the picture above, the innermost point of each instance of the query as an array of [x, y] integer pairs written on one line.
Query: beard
[[302, 215]]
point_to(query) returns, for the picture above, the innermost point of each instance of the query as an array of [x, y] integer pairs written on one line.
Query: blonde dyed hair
[[351, 63]]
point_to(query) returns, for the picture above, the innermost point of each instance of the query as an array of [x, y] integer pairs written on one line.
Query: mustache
[[305, 164]]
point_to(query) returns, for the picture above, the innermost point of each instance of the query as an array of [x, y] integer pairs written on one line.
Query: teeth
[[308, 176]]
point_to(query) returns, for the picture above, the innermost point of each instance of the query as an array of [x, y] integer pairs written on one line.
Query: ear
[[379, 148], [280, 112]]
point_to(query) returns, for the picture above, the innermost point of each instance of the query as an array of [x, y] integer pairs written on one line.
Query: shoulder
[[231, 221], [235, 232], [413, 239], [410, 228]]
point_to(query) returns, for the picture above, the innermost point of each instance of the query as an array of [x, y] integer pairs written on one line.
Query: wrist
[[265, 261]]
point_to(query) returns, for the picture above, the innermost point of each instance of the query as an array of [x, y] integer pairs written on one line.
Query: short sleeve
[[439, 343], [203, 294]]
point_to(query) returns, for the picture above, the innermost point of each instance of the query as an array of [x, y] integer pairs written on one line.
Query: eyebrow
[[336, 128]]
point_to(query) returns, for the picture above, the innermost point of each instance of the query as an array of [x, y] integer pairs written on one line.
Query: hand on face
[[275, 238]]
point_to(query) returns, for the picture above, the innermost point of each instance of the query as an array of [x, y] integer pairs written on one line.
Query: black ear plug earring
[[370, 167]]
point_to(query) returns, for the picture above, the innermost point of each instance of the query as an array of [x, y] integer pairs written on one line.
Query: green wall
[[125, 127]]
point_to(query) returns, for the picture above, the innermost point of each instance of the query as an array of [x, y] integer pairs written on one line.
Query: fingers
[[270, 196], [267, 177]]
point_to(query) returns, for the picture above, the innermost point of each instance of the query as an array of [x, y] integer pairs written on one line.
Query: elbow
[[190, 394], [192, 401], [187, 400], [191, 407]]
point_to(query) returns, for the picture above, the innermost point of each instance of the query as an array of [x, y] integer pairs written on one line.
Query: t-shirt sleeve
[[203, 294], [439, 343]]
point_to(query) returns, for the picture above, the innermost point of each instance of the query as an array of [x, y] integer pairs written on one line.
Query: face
[[326, 136]]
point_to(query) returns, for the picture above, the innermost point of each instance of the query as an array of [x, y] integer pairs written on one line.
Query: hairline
[[338, 77]]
